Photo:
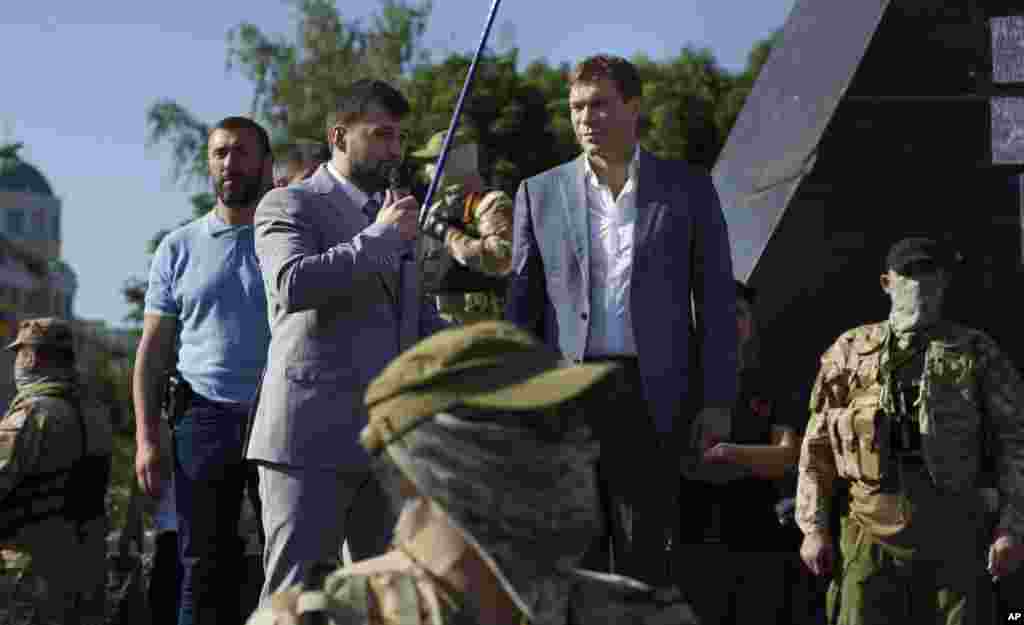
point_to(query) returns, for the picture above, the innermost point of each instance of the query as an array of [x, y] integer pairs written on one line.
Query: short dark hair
[[615, 68], [357, 98], [238, 123]]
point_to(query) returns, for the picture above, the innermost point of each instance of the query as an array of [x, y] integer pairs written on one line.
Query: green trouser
[[881, 584]]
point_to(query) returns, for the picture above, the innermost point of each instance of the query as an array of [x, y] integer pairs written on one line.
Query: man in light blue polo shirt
[[206, 291]]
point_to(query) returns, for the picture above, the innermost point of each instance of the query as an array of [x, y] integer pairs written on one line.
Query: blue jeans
[[209, 479]]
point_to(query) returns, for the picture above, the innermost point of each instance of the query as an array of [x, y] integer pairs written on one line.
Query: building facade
[[35, 281]]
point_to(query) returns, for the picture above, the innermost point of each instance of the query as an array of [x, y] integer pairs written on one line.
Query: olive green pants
[[880, 584]]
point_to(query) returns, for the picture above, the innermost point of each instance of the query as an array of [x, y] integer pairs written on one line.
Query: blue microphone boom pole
[[455, 116]]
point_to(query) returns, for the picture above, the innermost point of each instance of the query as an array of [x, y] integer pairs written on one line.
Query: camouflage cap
[[433, 147], [49, 331], [490, 364]]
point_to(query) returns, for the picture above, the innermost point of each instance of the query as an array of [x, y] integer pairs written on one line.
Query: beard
[[915, 304], [246, 190], [371, 178]]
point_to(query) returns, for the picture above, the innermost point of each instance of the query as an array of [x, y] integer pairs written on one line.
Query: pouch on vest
[[443, 274]]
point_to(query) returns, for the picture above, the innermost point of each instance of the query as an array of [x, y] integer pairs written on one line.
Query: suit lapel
[[577, 214], [324, 182], [648, 205]]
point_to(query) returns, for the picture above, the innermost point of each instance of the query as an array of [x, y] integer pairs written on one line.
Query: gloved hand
[[437, 226]]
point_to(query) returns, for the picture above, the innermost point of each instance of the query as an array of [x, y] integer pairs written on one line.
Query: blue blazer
[[681, 249]]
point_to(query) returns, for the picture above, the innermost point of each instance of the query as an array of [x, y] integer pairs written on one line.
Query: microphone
[[400, 178]]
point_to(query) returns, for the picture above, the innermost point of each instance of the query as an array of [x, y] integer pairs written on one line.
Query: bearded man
[[206, 291], [911, 413]]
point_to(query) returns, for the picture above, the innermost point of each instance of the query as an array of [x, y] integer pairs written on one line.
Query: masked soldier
[[908, 412], [472, 247], [479, 436], [55, 458]]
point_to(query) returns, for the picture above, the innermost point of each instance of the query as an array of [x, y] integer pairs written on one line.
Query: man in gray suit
[[344, 299], [608, 251]]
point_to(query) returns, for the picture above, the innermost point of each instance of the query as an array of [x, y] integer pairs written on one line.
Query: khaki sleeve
[[1003, 396], [816, 471], [21, 436], [491, 253]]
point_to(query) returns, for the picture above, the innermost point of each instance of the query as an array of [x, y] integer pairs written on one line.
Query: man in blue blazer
[[611, 251]]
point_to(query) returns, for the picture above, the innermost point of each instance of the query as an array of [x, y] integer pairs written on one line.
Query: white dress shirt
[[612, 222]]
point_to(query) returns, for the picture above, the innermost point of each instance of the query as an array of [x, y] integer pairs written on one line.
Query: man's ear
[[885, 281], [337, 137]]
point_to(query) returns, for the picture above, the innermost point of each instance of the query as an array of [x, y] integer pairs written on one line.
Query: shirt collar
[[215, 226], [356, 195], [630, 171]]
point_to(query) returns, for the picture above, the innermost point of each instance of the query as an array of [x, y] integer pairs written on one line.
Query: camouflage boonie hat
[[481, 420], [490, 364], [48, 331], [433, 147]]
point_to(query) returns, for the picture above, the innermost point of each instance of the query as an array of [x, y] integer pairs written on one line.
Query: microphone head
[[402, 176]]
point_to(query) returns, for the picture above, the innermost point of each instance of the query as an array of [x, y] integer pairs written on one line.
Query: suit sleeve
[[715, 290], [298, 275], [527, 292]]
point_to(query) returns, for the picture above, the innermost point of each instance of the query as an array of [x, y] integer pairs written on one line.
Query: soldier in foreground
[[55, 456], [905, 411], [479, 437], [473, 249]]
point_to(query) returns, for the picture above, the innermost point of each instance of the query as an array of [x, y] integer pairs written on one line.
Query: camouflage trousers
[[62, 571], [878, 583]]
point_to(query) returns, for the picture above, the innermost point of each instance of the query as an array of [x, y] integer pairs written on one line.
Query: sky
[[77, 78]]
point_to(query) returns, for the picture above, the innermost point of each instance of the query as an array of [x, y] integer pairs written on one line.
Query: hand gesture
[[402, 212]]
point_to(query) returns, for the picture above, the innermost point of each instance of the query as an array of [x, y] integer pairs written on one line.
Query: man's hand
[[817, 552], [1004, 556], [721, 453], [712, 426], [147, 468], [402, 212]]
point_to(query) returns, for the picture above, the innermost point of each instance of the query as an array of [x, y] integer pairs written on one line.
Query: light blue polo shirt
[[206, 275]]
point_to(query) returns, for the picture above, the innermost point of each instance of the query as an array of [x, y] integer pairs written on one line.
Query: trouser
[[731, 587], [209, 478], [880, 584], [164, 591], [639, 483], [309, 512]]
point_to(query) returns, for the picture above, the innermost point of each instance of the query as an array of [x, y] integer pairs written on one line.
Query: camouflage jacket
[[486, 243], [970, 404], [41, 435], [402, 595]]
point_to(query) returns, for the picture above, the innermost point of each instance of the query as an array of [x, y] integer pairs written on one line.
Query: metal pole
[[455, 116]]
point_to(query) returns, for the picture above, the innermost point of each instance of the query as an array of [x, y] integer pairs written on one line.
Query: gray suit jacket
[[338, 314], [681, 247]]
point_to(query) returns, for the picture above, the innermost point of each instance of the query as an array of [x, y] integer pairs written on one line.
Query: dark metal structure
[[873, 120]]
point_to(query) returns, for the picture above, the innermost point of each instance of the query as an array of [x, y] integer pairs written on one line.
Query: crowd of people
[[549, 409]]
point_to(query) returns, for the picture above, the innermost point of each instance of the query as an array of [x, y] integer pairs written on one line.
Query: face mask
[[916, 303]]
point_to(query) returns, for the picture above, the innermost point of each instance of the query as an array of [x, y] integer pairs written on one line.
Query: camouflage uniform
[[484, 245], [915, 537], [54, 467], [510, 472]]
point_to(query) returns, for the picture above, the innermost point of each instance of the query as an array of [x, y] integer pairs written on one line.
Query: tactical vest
[[443, 274], [948, 412], [76, 493]]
